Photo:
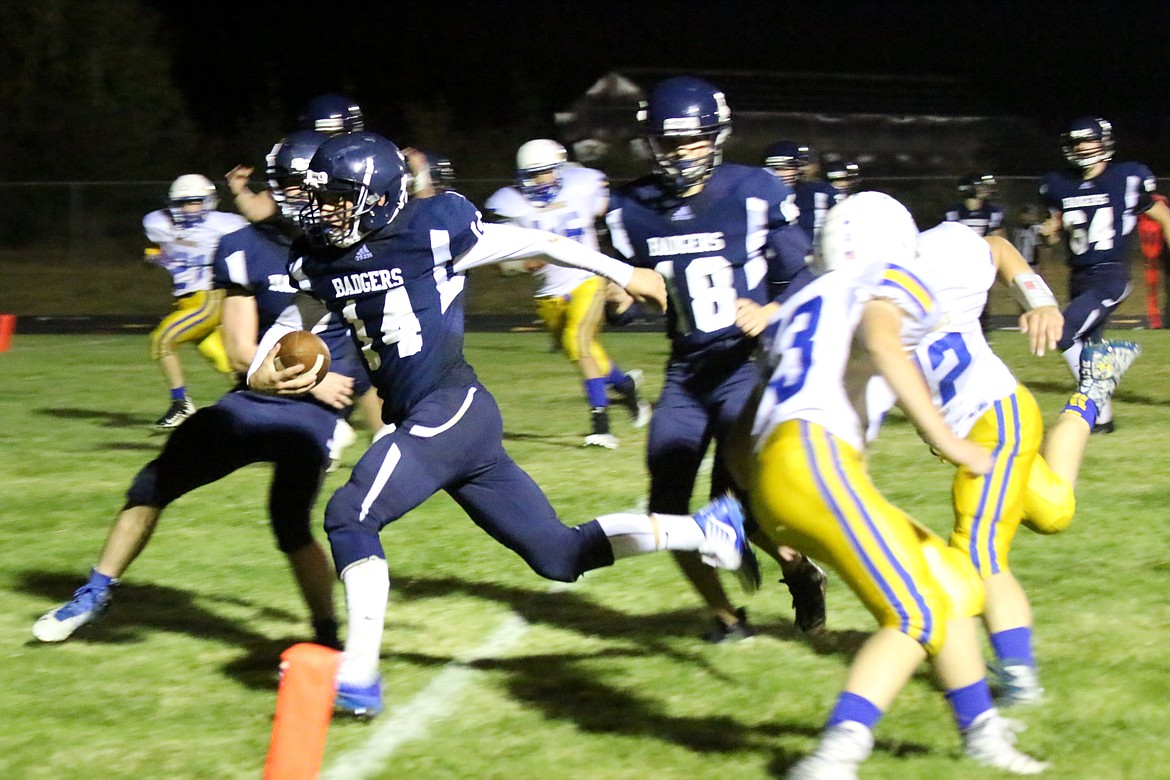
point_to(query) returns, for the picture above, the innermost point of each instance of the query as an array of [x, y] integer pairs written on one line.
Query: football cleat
[[990, 740], [808, 596], [359, 701], [1103, 363], [605, 440], [842, 748], [87, 605], [343, 436], [725, 541], [179, 411], [738, 631], [640, 411], [1015, 684]]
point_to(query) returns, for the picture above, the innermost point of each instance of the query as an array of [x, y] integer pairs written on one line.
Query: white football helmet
[[191, 188], [866, 228], [537, 157]]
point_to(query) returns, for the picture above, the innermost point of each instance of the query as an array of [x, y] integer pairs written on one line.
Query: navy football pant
[[240, 429], [453, 441], [1094, 292], [691, 411]]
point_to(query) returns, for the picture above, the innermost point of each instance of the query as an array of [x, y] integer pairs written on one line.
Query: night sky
[[488, 60]]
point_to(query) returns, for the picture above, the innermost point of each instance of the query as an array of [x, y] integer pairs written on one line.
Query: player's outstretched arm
[[1042, 320], [880, 330], [254, 206]]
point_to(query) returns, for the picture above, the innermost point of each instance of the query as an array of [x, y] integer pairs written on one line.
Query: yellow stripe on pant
[[988, 508], [195, 318], [811, 491], [576, 322]]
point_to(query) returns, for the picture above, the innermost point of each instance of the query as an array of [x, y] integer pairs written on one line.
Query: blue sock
[[595, 392], [619, 380], [99, 580], [178, 393], [969, 703], [1084, 406], [1014, 647], [850, 706]]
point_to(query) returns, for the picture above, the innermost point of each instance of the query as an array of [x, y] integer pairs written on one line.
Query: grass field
[[492, 673]]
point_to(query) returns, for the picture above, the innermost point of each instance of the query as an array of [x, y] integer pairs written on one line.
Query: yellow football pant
[[195, 318], [810, 490], [575, 322]]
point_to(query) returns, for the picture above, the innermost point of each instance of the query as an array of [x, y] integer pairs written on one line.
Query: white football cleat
[[606, 440], [343, 436], [991, 740], [842, 749]]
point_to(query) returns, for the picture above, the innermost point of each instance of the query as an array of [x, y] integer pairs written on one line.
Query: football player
[[804, 463], [186, 233], [976, 210], [567, 199], [725, 237], [1094, 204], [845, 176], [329, 114], [395, 270], [792, 162], [984, 403], [295, 434]]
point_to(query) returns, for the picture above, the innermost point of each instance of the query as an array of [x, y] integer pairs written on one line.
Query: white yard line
[[413, 719]]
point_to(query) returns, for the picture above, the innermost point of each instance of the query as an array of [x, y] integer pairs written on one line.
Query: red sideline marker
[[304, 706], [7, 328]]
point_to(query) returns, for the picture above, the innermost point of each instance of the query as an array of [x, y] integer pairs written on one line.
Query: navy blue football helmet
[[975, 185], [441, 171], [843, 175], [679, 112], [788, 160], [357, 183], [1087, 130], [286, 166], [332, 114]]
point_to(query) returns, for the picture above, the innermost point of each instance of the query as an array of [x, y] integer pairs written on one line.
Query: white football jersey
[[964, 374], [819, 373], [187, 253], [573, 213]]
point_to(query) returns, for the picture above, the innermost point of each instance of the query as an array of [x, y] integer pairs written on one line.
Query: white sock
[[367, 589], [634, 534]]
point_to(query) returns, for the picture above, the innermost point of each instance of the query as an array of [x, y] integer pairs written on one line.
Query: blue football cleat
[[87, 604], [363, 701], [725, 541]]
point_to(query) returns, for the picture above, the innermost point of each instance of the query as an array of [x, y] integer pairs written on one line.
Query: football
[[300, 347]]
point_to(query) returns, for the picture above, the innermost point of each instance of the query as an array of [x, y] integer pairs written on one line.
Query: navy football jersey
[[984, 220], [400, 293], [814, 199], [737, 238], [254, 260], [1099, 214]]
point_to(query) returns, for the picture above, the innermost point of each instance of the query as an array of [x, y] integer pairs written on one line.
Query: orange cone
[[7, 328], [304, 706]]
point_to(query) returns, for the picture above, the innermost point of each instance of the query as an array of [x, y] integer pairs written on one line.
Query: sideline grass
[[608, 681]]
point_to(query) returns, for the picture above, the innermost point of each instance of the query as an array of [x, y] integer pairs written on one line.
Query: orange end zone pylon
[[304, 706]]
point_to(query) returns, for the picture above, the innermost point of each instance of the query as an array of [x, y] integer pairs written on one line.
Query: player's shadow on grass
[[655, 633], [142, 609], [547, 439], [106, 418], [560, 689]]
